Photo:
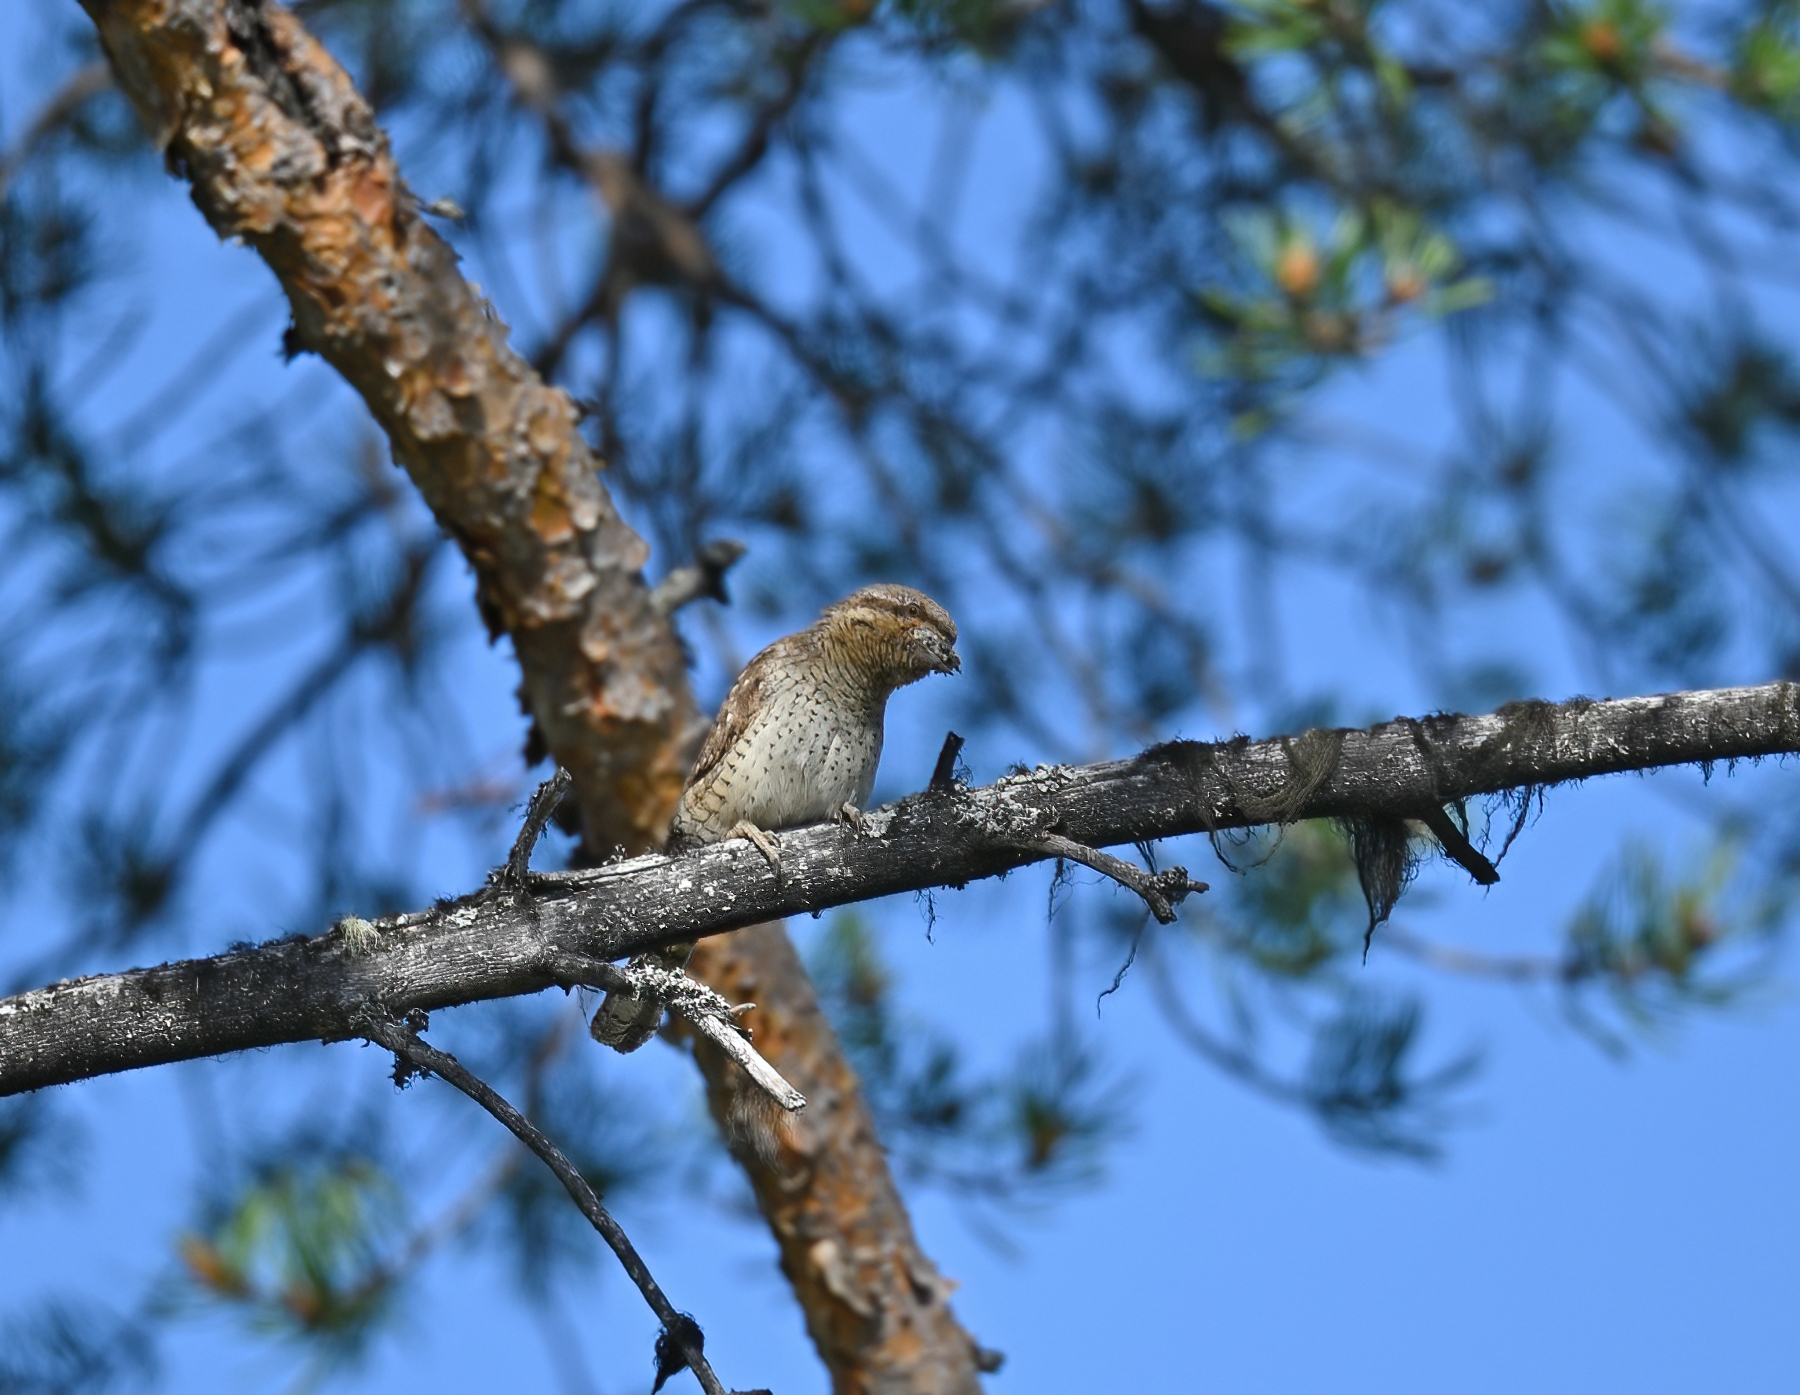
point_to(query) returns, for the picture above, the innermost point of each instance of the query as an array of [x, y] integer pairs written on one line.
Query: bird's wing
[[745, 697]]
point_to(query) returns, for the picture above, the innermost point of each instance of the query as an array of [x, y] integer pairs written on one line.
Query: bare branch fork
[[402, 1038], [500, 942]]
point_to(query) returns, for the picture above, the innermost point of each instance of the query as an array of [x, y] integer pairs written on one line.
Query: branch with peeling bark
[[499, 941], [284, 154], [694, 1003]]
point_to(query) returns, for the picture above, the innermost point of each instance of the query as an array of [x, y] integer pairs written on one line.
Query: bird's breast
[[803, 754]]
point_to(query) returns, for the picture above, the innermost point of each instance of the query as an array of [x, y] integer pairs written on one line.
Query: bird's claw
[[766, 843], [849, 815]]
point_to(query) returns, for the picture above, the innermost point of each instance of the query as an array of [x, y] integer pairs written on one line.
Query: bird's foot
[[848, 815], [766, 843]]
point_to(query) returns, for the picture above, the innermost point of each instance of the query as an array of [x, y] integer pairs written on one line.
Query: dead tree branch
[[498, 942], [703, 578], [403, 1040], [539, 810], [694, 1003], [1162, 891]]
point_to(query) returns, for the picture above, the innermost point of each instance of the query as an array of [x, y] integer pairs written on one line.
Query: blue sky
[[1595, 1225]]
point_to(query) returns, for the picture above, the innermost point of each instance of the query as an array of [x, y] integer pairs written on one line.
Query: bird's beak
[[952, 663]]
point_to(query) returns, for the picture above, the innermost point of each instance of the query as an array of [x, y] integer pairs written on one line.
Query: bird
[[796, 742]]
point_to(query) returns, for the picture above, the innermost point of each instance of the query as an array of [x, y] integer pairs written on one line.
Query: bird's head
[[901, 633]]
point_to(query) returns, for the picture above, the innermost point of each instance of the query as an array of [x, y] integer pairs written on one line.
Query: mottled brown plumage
[[797, 741]]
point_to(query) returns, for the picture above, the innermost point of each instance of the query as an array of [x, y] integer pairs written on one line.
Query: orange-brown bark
[[283, 153], [876, 1306]]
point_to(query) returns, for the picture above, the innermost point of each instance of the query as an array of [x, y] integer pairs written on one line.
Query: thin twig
[[729, 1039], [1161, 892], [405, 1044], [1519, 968], [1233, 1060], [363, 636], [538, 814], [84, 83]]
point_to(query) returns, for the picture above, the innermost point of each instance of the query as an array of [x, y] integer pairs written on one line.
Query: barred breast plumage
[[797, 741]]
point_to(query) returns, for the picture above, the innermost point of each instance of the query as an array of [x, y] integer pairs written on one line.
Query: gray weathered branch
[[402, 1038], [501, 941]]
